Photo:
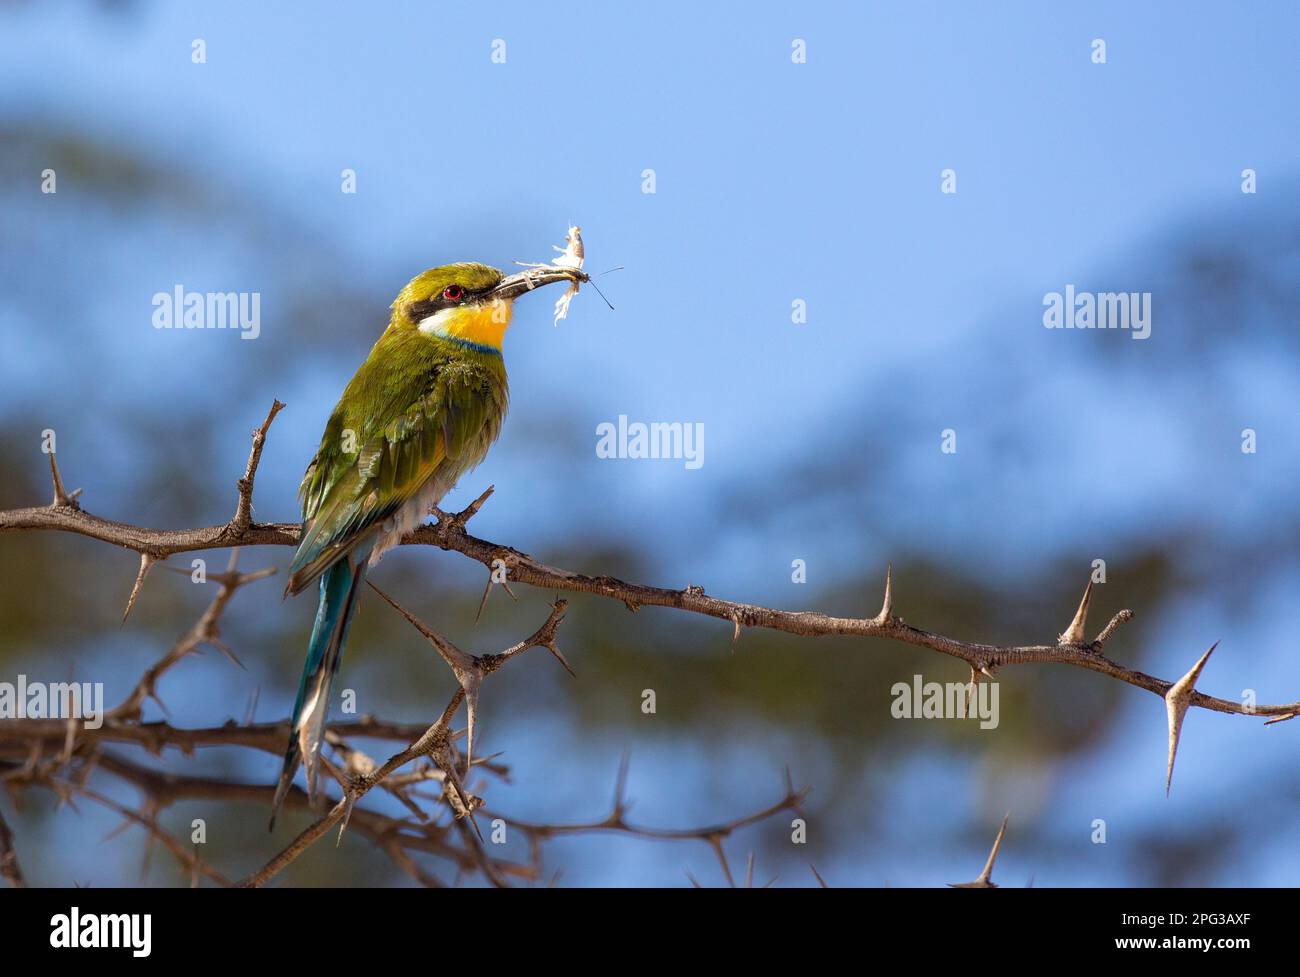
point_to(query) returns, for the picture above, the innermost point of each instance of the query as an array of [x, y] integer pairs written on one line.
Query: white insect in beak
[[572, 256]]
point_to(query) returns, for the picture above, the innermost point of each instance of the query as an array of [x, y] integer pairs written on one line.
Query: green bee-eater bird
[[422, 410]]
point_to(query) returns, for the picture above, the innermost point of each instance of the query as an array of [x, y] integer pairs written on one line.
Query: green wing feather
[[419, 408]]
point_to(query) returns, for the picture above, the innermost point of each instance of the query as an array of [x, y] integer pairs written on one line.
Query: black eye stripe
[[435, 303], [422, 310]]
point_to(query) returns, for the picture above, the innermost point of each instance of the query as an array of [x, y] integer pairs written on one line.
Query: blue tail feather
[[339, 592]]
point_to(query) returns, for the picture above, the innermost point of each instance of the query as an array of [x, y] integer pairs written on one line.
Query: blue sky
[[775, 181]]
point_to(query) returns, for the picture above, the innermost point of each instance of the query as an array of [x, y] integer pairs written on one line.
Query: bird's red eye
[[452, 293]]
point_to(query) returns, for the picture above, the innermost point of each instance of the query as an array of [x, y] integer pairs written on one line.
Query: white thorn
[[887, 606], [1074, 634], [985, 880], [1177, 701], [146, 562], [974, 684], [471, 680]]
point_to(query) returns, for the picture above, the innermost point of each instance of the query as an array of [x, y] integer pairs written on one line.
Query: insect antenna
[[601, 294]]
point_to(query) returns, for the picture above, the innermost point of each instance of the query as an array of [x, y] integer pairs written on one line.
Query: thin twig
[[9, 868]]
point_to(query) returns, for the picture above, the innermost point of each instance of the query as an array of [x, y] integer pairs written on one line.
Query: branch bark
[[450, 533]]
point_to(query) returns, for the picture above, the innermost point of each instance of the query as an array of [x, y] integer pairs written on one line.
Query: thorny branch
[[435, 745], [63, 755], [450, 533]]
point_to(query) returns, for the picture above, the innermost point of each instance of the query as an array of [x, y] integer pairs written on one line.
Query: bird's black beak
[[512, 286]]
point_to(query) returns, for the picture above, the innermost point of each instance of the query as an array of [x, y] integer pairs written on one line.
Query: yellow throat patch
[[482, 324]]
